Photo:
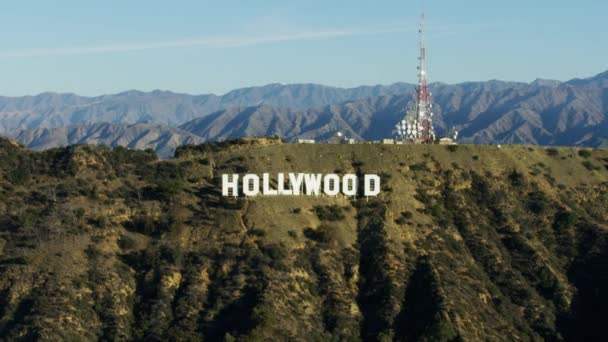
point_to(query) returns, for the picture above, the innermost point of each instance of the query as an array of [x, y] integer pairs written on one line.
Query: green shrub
[[584, 153], [20, 260], [407, 214], [401, 220], [329, 212], [590, 166], [419, 167], [99, 221], [452, 148], [92, 252], [125, 242], [564, 220], [257, 232], [552, 152], [325, 233], [516, 178], [537, 202], [19, 176], [169, 188], [143, 223]]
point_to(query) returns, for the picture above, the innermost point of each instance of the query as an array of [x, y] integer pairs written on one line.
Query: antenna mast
[[423, 101], [417, 126]]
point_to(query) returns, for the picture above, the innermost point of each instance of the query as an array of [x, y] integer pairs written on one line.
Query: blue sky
[[95, 47]]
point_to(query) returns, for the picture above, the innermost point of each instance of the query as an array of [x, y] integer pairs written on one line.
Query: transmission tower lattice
[[417, 125]]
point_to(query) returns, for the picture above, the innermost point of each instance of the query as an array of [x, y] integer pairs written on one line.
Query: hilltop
[[464, 243]]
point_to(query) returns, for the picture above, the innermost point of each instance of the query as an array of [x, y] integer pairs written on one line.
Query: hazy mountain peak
[[540, 82], [600, 80]]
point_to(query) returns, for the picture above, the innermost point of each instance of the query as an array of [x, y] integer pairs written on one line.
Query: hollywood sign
[[297, 184]]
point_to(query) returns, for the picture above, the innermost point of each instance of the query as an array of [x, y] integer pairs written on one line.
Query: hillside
[[464, 243]]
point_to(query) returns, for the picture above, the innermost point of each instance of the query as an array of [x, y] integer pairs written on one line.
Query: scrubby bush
[[537, 202], [584, 153], [419, 167], [257, 232], [401, 220], [99, 221], [169, 188], [325, 233], [19, 176], [407, 214], [516, 178], [329, 212], [143, 223], [564, 220], [590, 166], [126, 242], [275, 251], [20, 260], [552, 152]]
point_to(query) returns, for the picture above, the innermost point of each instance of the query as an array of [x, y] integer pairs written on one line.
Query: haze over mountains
[[545, 112], [141, 136]]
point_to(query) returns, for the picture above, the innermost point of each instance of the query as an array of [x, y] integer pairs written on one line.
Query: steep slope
[[464, 243], [144, 135]]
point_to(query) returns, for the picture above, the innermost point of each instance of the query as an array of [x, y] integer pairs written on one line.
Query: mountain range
[[142, 135], [543, 112]]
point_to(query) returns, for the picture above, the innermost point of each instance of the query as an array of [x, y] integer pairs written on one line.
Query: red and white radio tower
[[417, 126]]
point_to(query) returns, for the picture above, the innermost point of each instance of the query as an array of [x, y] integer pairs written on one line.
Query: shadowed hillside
[[464, 243]]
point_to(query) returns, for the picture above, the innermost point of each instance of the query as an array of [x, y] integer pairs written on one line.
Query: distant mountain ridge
[[143, 135], [486, 112], [545, 112], [51, 110]]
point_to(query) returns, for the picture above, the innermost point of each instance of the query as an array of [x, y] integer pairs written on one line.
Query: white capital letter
[[251, 185], [369, 191], [349, 185], [313, 183], [230, 185], [295, 181], [281, 185], [267, 191], [331, 184]]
